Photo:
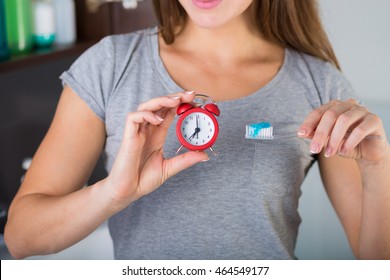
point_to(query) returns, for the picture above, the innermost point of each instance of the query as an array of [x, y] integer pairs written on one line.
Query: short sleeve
[[329, 82], [91, 76]]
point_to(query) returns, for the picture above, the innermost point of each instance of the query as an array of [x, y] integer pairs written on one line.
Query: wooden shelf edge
[[44, 55]]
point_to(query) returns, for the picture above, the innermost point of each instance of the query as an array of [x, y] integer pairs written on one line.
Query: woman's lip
[[206, 4]]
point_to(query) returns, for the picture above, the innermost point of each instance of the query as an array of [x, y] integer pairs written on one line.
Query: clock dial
[[197, 129]]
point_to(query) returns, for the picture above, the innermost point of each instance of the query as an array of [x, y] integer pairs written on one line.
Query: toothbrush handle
[[295, 134], [285, 135]]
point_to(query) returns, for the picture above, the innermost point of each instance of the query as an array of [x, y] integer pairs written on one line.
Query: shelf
[[44, 55]]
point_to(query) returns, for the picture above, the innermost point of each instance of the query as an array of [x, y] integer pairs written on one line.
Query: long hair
[[294, 24]]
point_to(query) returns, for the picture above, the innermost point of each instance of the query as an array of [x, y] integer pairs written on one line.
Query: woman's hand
[[358, 188], [140, 167], [347, 129]]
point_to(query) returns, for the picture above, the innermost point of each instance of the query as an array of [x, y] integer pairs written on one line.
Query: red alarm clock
[[197, 128]]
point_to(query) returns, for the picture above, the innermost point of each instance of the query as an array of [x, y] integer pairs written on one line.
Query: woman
[[262, 61]]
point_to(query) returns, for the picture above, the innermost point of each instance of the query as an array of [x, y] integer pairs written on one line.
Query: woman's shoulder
[[108, 58], [325, 78], [96, 73], [122, 44], [315, 65]]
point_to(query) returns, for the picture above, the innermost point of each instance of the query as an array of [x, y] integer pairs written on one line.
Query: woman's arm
[[355, 168], [52, 210], [361, 198]]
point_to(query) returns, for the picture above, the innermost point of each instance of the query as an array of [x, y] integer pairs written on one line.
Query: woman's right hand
[[52, 196], [140, 166]]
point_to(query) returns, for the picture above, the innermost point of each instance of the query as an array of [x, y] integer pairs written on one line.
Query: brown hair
[[290, 23]]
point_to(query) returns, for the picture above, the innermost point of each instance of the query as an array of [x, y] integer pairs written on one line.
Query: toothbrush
[[265, 131]]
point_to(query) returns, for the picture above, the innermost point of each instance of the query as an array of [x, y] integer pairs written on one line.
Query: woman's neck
[[228, 62], [235, 41]]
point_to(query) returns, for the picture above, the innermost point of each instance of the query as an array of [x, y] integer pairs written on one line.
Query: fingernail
[[190, 92], [302, 132], [314, 148], [207, 159], [175, 97], [328, 152], [159, 118]]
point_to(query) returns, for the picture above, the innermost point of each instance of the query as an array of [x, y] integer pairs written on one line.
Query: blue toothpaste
[[259, 130]]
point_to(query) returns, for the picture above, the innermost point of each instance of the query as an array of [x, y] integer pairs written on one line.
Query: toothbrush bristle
[[266, 133], [262, 131]]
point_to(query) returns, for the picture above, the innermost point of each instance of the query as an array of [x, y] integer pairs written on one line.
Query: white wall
[[360, 33]]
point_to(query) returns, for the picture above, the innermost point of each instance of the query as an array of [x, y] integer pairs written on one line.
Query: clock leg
[[180, 148], [211, 149]]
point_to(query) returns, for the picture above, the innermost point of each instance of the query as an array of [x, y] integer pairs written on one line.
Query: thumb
[[181, 162]]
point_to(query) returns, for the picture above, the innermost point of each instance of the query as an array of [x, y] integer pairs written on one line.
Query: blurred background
[[30, 88], [359, 32]]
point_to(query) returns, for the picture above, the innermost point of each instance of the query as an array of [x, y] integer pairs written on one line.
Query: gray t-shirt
[[239, 205]]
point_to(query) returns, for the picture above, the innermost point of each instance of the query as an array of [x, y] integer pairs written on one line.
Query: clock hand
[[195, 133], [192, 136], [197, 127]]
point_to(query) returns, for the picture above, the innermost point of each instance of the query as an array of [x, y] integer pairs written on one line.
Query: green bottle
[[18, 14], [4, 52]]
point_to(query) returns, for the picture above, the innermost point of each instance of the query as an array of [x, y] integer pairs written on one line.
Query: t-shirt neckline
[[171, 86]]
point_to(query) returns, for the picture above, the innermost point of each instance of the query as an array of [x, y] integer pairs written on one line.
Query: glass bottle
[[44, 31], [4, 52], [18, 17], [65, 22]]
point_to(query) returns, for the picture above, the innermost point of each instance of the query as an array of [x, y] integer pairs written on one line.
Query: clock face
[[197, 129]]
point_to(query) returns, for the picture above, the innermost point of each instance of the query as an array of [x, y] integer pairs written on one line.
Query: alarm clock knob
[[212, 108], [183, 108]]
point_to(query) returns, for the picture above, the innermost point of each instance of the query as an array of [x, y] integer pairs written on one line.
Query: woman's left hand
[[347, 129]]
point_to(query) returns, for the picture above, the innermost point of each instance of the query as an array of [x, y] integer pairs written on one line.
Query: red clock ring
[[182, 139]]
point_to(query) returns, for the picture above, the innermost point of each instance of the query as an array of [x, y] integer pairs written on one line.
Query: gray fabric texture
[[239, 205]]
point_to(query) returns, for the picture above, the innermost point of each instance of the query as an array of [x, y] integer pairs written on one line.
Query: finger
[[181, 162], [185, 97], [169, 101], [326, 124], [132, 142], [344, 123], [168, 114], [136, 119], [310, 123], [159, 103], [368, 126]]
